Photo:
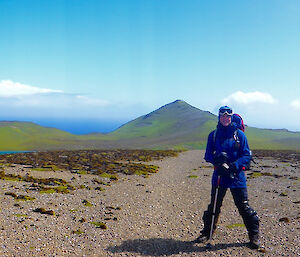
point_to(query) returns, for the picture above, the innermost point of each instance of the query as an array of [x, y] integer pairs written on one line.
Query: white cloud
[[19, 100], [9, 88], [58, 102], [295, 104], [262, 110], [240, 97], [14, 94]]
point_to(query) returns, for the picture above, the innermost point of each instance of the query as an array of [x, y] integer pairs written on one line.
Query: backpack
[[238, 120]]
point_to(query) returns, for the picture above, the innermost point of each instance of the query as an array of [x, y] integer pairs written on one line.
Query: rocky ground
[[154, 216]]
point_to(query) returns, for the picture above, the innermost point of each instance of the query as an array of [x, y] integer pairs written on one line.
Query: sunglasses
[[225, 112]]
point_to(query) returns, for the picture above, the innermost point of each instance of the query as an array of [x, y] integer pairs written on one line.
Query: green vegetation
[[43, 185], [237, 225], [272, 139], [97, 162], [47, 168], [100, 182], [58, 189], [99, 225], [110, 176], [87, 203], [141, 173], [193, 176], [255, 175], [177, 125], [77, 232], [99, 188], [28, 136], [20, 197], [21, 215], [283, 194]]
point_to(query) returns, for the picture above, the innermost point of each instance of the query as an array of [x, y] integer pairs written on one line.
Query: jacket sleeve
[[244, 152], [210, 148]]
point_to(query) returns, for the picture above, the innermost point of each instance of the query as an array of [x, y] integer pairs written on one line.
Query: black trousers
[[240, 197]]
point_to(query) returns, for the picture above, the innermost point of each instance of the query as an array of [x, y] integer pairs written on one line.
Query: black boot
[[202, 238], [254, 241], [207, 220]]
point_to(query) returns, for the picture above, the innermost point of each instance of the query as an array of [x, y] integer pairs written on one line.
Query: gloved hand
[[232, 170], [226, 170], [223, 170], [220, 158]]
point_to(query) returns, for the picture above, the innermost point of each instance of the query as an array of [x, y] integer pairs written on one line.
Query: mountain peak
[[178, 101], [171, 120], [172, 107], [176, 104]]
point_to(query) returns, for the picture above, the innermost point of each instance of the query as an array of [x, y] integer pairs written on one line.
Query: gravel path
[[155, 216]]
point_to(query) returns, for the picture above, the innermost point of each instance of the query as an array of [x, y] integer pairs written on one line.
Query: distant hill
[[15, 135], [176, 125]]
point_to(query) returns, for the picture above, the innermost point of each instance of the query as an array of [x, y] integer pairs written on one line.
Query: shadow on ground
[[165, 247]]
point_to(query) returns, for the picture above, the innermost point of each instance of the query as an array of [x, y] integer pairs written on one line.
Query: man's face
[[225, 120]]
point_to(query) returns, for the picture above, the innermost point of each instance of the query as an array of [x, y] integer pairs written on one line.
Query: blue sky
[[103, 63]]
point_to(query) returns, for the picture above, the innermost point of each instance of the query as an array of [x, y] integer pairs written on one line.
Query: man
[[227, 149]]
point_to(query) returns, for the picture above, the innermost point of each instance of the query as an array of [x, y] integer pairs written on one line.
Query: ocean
[[12, 152]]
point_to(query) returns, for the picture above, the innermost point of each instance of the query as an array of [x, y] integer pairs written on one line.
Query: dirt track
[[158, 216]]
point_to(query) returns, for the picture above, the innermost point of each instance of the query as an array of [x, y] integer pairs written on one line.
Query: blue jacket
[[239, 156]]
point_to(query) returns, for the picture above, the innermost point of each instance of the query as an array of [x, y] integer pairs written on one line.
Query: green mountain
[[180, 125], [176, 125]]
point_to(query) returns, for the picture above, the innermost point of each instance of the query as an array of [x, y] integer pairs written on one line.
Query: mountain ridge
[[176, 125]]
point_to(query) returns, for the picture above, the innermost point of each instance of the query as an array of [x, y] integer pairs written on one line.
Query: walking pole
[[209, 246]]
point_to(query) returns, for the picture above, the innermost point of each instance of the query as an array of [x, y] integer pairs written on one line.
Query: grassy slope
[[272, 139], [29, 136], [169, 126], [175, 125], [257, 138]]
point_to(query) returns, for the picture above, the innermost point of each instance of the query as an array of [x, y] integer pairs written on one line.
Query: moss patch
[[110, 176], [77, 232], [99, 224], [283, 194], [86, 203], [21, 215], [236, 225], [58, 189], [255, 175], [20, 197]]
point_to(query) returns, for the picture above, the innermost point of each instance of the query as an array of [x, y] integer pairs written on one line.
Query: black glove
[[223, 170], [232, 170], [227, 170], [220, 158]]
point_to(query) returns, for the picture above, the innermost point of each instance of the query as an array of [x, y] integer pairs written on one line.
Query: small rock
[[284, 219]]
